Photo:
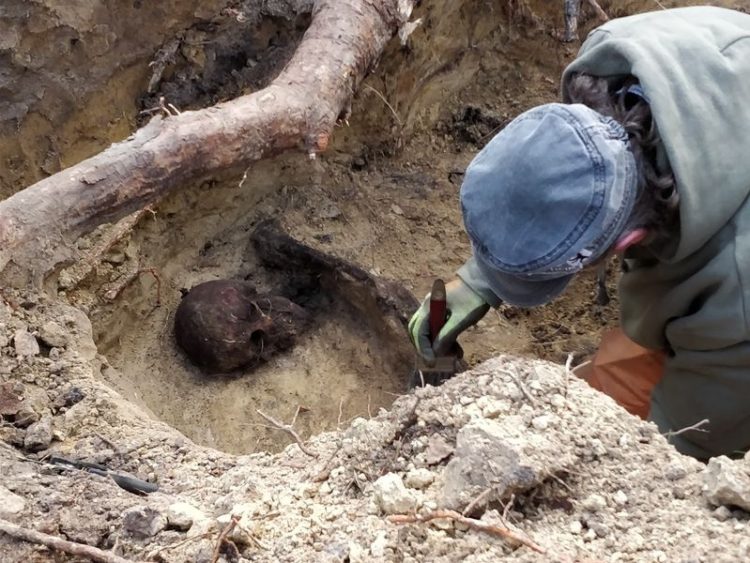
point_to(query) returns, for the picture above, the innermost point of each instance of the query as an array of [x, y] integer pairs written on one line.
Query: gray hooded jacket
[[694, 67]]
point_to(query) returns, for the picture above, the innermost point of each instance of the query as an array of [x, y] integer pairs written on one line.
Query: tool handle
[[438, 308]]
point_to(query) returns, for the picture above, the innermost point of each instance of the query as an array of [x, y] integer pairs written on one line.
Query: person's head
[[561, 187]]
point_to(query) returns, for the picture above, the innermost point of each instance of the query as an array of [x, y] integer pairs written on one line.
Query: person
[[647, 156]]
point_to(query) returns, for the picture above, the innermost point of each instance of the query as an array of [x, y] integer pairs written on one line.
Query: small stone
[[722, 513], [69, 397], [419, 478], [25, 344], [576, 527], [397, 210], [726, 482], [39, 435], [600, 530], [595, 503], [392, 496], [10, 503], [437, 450], [25, 416], [541, 422], [620, 498], [143, 521], [53, 335], [675, 471], [181, 515], [557, 401], [493, 408], [377, 548], [590, 535]]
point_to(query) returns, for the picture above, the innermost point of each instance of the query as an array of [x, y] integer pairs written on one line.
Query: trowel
[[445, 366]]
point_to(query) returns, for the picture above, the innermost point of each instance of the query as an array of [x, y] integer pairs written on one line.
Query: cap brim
[[522, 292]]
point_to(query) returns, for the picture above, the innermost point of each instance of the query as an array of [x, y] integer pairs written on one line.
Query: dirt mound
[[517, 444]]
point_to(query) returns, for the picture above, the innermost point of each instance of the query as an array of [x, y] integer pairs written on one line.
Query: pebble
[[25, 343], [541, 422], [594, 503], [590, 535], [377, 548], [419, 478], [53, 335], [675, 471], [181, 515], [621, 498], [391, 496], [143, 521], [722, 514], [10, 503], [38, 435], [576, 527]]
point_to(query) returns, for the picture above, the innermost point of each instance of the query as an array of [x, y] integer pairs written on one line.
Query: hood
[[694, 67]]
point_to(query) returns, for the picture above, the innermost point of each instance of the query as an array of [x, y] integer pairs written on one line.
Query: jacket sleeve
[[472, 276]]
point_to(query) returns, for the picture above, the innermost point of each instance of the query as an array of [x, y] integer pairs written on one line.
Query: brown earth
[[384, 196]]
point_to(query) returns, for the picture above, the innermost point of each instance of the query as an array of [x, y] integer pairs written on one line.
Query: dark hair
[[656, 207]]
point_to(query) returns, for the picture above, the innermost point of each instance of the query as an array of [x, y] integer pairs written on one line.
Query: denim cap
[[547, 196]]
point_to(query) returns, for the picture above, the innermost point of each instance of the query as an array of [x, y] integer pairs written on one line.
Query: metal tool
[[445, 366]]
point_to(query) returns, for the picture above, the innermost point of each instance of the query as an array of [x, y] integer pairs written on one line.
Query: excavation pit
[[352, 360]]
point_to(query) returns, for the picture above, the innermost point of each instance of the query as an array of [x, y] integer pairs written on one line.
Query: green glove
[[465, 308]]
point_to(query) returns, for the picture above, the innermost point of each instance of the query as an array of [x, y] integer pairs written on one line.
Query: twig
[[568, 364], [58, 544], [341, 412], [288, 429], [390, 107], [324, 473], [601, 14], [480, 499], [522, 387], [115, 291], [472, 523], [83, 267], [223, 536], [697, 427], [508, 506], [153, 554], [164, 56]]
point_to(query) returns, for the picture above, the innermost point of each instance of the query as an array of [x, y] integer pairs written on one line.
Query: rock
[[143, 521], [620, 498], [675, 471], [396, 210], [25, 416], [437, 450], [38, 435], [25, 344], [541, 422], [10, 503], [594, 503], [69, 397], [722, 513], [392, 496], [54, 335], [82, 529], [377, 548], [181, 515], [576, 527], [501, 455], [419, 478], [726, 482]]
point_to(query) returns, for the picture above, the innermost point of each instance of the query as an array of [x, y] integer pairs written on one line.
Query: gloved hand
[[465, 308]]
